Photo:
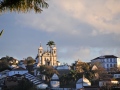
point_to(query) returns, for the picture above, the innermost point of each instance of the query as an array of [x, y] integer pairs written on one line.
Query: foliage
[[22, 5], [30, 60], [1, 32], [70, 78], [5, 62], [50, 43], [24, 85], [86, 69], [48, 71], [4, 65]]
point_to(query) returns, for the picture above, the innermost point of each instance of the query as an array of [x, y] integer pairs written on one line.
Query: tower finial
[[47, 49], [40, 44]]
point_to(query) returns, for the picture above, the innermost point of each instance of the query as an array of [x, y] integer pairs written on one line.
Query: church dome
[[54, 47], [40, 47]]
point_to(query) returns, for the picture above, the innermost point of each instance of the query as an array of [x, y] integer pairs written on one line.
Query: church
[[47, 57]]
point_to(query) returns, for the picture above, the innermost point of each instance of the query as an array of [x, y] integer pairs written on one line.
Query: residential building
[[107, 61]]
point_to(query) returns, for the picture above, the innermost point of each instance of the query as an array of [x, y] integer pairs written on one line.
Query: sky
[[81, 29]]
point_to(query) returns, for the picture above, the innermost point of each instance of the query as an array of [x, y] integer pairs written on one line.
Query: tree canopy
[[50, 43], [22, 5], [1, 32]]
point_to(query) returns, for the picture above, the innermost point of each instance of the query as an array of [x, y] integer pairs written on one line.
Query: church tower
[[40, 51], [48, 57], [54, 53]]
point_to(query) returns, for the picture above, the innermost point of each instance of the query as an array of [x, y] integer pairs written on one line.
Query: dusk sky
[[81, 29]]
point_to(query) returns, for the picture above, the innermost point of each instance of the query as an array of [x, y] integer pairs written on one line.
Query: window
[[110, 59], [110, 65], [107, 65]]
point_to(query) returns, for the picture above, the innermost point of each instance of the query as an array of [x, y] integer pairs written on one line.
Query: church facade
[[48, 57]]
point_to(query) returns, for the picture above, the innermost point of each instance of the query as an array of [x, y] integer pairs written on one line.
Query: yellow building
[[48, 57]]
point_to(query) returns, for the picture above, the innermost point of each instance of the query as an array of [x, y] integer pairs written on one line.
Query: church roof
[[40, 47]]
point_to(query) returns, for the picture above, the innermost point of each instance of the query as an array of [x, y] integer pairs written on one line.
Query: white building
[[18, 70], [82, 82], [107, 61], [63, 67], [107, 82], [55, 83], [47, 57], [116, 75]]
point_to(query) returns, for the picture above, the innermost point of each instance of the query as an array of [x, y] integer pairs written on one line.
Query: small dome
[[54, 47], [40, 47]]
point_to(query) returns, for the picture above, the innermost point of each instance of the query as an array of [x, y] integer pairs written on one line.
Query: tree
[[30, 60], [24, 85], [50, 44], [48, 71], [1, 32], [22, 5]]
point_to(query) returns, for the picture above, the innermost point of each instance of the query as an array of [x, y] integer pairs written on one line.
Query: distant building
[[55, 83], [47, 57], [82, 82], [18, 70], [63, 67], [107, 61]]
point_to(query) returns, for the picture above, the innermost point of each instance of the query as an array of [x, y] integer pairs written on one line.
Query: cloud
[[82, 29], [101, 14]]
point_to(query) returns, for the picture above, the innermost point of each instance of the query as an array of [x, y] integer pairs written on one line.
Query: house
[[107, 82], [116, 75], [107, 61], [18, 70], [82, 82], [55, 83], [63, 67]]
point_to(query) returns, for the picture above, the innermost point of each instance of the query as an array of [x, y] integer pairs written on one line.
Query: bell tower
[[40, 51], [54, 53]]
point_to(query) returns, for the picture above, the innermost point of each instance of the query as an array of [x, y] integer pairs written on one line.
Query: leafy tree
[[50, 44], [22, 5], [24, 85], [4, 65], [48, 71], [30, 60], [86, 69]]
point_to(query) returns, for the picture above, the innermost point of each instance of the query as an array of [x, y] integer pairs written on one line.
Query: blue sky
[[81, 29]]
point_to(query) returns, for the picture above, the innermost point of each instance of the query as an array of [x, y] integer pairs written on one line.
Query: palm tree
[[50, 44], [1, 32], [22, 5]]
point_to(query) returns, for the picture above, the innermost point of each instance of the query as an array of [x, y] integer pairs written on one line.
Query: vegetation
[[70, 78], [30, 60], [5, 62], [24, 85], [1, 32], [48, 71], [50, 44], [22, 5]]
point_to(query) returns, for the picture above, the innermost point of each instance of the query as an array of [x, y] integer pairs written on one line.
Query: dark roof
[[63, 71], [19, 68], [106, 56]]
